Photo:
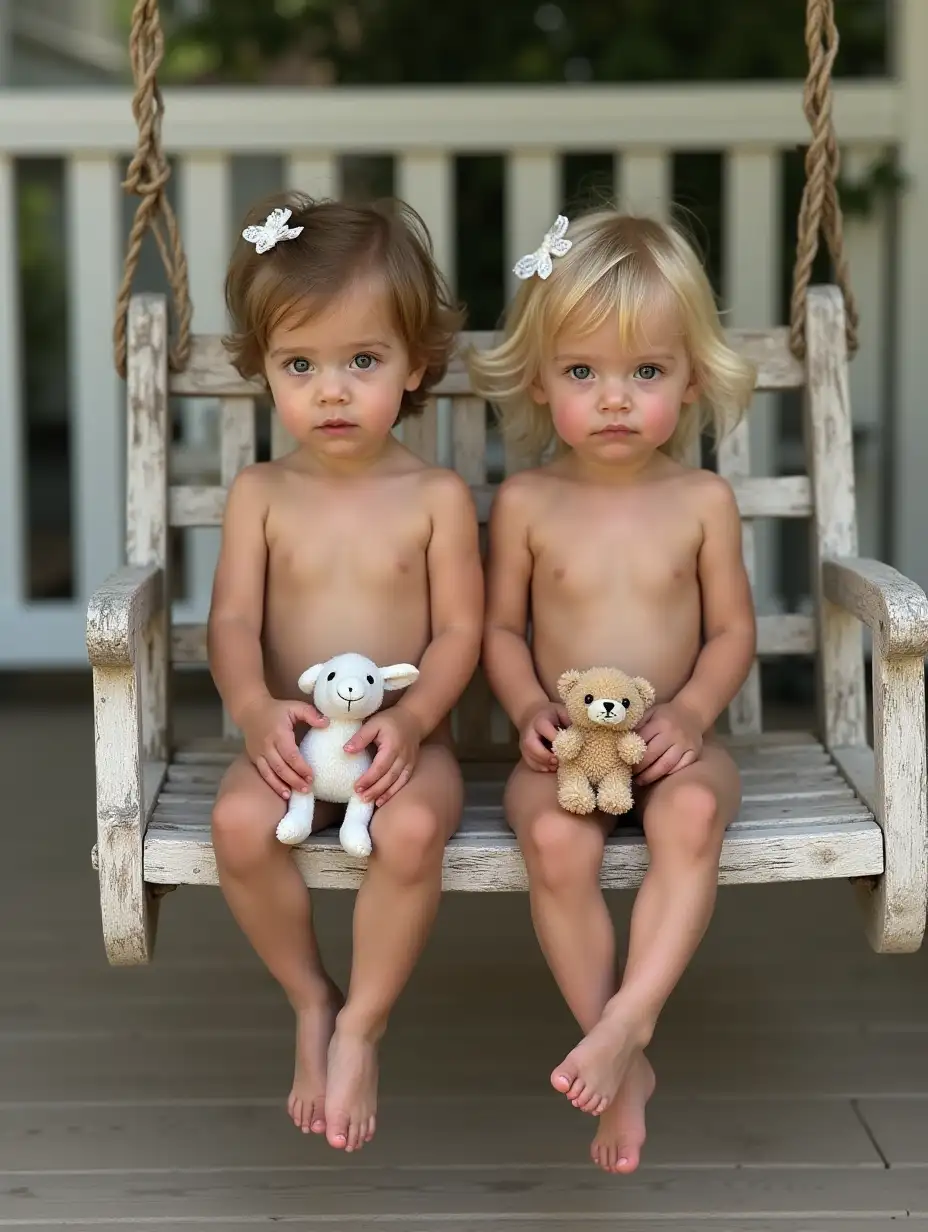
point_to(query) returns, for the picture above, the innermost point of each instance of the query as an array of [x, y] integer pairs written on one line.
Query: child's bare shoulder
[[707, 496], [256, 486], [521, 497], [713, 493], [445, 493]]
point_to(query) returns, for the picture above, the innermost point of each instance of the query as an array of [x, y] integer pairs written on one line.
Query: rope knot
[[147, 177], [820, 209]]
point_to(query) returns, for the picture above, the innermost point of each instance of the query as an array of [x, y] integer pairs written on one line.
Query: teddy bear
[[347, 689], [597, 752]]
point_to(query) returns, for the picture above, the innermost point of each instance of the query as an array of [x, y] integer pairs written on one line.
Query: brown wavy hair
[[338, 243]]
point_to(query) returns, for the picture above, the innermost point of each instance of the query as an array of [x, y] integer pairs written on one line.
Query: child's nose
[[616, 396], [331, 388]]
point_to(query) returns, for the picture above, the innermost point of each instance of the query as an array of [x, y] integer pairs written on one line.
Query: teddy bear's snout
[[605, 710]]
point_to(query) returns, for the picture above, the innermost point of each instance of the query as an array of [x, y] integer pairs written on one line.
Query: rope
[[820, 209], [147, 178]]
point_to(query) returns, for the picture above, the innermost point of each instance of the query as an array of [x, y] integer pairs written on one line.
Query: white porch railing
[[423, 129]]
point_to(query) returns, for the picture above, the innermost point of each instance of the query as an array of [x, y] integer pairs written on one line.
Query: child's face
[[612, 402], [337, 380]]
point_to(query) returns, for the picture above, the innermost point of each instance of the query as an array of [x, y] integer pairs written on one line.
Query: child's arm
[[234, 643], [674, 731], [456, 610], [507, 657]]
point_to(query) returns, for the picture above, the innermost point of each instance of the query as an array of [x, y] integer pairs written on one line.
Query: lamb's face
[[349, 686]]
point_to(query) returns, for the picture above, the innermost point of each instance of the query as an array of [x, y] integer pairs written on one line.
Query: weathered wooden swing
[[821, 805]]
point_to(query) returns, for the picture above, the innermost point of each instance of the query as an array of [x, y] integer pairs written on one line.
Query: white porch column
[[910, 438]]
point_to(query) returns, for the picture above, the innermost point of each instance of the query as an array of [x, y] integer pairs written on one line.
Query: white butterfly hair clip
[[271, 231], [539, 261]]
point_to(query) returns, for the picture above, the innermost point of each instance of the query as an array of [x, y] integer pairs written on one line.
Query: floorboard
[[792, 1062]]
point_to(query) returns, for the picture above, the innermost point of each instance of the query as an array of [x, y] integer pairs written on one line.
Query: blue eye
[[648, 372], [364, 361], [581, 372], [299, 366]]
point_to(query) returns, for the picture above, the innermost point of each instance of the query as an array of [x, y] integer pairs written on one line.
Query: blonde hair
[[618, 267]]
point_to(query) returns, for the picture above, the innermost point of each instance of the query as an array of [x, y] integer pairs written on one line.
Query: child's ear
[[414, 380], [692, 393]]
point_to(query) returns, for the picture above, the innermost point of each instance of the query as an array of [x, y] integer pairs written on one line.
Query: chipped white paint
[[831, 465], [236, 451], [811, 826], [788, 497], [734, 458], [209, 373], [128, 643], [776, 635], [891, 777]]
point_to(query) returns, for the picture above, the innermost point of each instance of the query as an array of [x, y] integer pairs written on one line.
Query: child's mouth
[[615, 430], [336, 425]]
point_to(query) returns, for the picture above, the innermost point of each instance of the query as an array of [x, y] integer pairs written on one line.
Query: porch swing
[[816, 805]]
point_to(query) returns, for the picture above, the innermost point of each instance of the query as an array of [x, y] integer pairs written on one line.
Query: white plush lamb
[[347, 689]]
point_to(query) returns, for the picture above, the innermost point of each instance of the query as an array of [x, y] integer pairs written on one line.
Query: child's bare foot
[[351, 1095], [591, 1074], [618, 1142], [314, 1027]]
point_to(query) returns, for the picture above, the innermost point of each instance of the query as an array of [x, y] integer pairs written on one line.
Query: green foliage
[[481, 41], [42, 275]]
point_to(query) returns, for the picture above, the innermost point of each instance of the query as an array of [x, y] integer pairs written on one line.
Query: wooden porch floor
[[792, 1063]]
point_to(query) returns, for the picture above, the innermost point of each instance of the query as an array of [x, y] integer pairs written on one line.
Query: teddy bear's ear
[[646, 689], [566, 682]]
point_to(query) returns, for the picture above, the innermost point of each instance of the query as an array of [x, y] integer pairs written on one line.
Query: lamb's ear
[[566, 682], [307, 681], [646, 689], [399, 676]]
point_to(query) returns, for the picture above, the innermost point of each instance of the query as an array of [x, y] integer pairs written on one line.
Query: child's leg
[[266, 894], [395, 909], [563, 855], [685, 817]]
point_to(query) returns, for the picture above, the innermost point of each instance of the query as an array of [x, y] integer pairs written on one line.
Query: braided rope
[[147, 178], [820, 209]]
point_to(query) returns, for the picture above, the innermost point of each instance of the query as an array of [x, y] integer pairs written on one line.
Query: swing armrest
[[119, 613], [892, 606], [128, 676], [891, 777]]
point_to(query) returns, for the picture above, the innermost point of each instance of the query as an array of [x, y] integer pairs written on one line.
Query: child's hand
[[674, 739], [537, 736], [397, 736], [270, 743]]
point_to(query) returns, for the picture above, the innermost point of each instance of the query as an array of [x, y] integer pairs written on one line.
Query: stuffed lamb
[[347, 689]]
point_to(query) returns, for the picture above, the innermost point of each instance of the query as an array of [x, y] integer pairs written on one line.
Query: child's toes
[[336, 1130], [315, 1122]]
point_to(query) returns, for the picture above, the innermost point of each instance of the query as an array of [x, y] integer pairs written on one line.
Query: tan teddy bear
[[597, 752]]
